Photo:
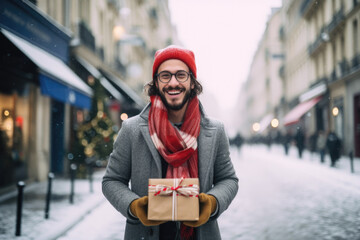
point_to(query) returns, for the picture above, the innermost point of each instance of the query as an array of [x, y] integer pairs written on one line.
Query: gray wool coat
[[135, 159]]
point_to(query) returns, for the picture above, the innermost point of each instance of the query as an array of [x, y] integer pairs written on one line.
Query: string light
[[124, 116]]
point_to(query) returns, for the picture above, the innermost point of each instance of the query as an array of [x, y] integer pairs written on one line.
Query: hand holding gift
[[207, 207], [139, 209]]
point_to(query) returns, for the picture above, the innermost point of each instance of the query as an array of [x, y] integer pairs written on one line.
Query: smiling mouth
[[173, 91]]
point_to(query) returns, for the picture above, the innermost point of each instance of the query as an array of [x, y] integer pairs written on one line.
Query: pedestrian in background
[[333, 144], [238, 141], [321, 145], [286, 141], [312, 143], [171, 138], [300, 141]]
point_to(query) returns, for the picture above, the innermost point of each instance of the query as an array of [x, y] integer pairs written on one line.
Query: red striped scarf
[[177, 147]]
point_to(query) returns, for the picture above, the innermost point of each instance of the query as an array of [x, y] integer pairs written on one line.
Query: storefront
[[14, 129], [310, 115], [36, 89]]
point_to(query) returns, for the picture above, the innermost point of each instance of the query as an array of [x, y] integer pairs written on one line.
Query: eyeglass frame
[[189, 74]]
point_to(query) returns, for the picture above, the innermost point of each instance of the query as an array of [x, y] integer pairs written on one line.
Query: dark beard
[[175, 107]]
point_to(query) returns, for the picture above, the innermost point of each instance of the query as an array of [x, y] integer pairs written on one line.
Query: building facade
[[320, 75], [263, 89], [52, 52]]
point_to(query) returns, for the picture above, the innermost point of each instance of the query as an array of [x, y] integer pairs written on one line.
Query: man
[[171, 138], [300, 141], [333, 144]]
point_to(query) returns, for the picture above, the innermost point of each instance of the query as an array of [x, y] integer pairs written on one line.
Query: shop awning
[[296, 113], [57, 80], [103, 81], [315, 91], [124, 89]]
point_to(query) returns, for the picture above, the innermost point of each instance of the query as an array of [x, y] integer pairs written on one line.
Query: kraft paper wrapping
[[173, 205]]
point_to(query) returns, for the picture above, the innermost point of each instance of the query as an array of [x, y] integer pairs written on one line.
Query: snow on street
[[280, 198]]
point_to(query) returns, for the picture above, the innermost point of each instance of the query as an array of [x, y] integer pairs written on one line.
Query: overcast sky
[[224, 35]]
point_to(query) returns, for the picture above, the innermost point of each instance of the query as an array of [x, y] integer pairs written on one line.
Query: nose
[[173, 80]]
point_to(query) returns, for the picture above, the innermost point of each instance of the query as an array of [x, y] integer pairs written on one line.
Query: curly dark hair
[[152, 90]]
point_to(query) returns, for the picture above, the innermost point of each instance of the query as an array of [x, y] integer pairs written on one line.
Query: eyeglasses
[[165, 76]]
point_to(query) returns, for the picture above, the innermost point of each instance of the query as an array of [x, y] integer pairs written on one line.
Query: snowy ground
[[280, 198]]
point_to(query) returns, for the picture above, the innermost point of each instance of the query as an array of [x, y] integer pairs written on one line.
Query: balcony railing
[[324, 80], [344, 67], [355, 62], [320, 40], [336, 21], [306, 7]]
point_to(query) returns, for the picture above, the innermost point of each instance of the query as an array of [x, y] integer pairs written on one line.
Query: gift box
[[173, 199]]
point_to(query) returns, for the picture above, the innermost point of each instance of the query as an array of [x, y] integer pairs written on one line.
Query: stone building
[[320, 72]]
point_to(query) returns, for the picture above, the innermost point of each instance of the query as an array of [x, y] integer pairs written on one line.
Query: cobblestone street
[[283, 198]]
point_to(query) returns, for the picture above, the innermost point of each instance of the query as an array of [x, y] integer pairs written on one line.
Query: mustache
[[173, 88]]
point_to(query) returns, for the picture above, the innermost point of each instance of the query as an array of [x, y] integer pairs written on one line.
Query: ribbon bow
[[188, 191]]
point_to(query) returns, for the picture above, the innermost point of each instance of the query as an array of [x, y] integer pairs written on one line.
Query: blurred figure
[[238, 141], [333, 144], [286, 140], [321, 145], [312, 143], [300, 141]]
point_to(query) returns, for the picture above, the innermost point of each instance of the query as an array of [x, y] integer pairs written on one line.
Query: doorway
[[57, 136]]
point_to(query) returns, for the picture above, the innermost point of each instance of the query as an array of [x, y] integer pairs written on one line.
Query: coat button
[[151, 231]]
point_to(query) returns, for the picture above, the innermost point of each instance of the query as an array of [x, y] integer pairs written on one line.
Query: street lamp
[[118, 32], [256, 127], [335, 111], [275, 123]]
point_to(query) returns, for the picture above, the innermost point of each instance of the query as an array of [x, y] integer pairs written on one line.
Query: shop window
[[14, 128]]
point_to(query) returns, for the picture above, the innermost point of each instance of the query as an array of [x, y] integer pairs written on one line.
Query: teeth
[[174, 92]]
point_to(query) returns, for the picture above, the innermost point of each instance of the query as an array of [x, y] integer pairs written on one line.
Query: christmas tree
[[96, 135]]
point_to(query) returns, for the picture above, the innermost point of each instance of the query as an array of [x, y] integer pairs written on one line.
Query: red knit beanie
[[174, 52]]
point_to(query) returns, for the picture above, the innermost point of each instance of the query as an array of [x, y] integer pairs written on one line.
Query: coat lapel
[[155, 154], [144, 128], [206, 148]]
